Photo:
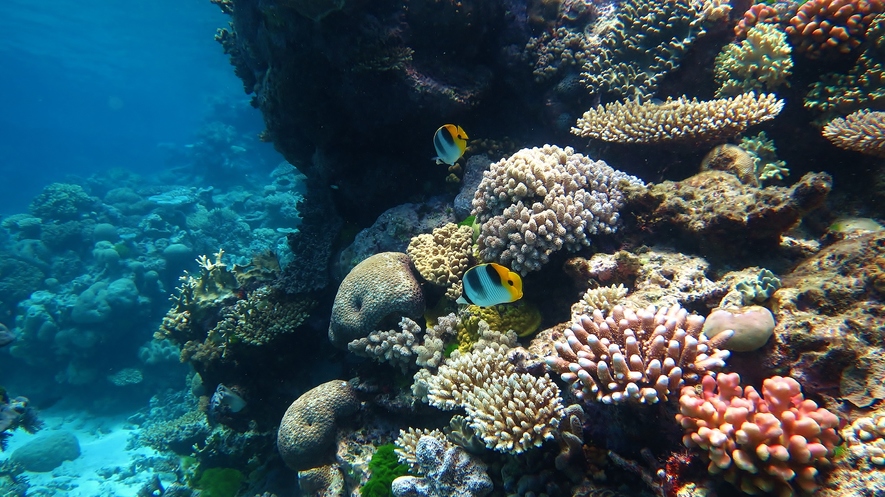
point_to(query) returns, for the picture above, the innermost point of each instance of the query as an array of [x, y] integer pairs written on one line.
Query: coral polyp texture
[[760, 13], [644, 42], [680, 120], [510, 412], [442, 257], [760, 62], [542, 200], [636, 356], [862, 131], [824, 28], [379, 287], [770, 443]]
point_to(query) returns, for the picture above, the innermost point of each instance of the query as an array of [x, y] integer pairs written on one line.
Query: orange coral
[[823, 28], [758, 14]]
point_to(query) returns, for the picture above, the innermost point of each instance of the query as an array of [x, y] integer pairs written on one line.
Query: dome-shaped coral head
[[225, 402], [6, 336]]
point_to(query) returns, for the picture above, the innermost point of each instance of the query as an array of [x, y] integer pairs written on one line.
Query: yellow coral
[[522, 317], [677, 120], [443, 256]]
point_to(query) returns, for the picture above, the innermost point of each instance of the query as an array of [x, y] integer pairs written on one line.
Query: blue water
[[97, 84]]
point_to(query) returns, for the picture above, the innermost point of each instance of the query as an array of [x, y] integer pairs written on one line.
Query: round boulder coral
[[381, 286], [307, 431]]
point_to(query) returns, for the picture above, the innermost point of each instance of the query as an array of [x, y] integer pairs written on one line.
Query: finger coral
[[636, 356], [862, 131], [773, 443], [541, 200], [823, 28], [677, 120], [442, 257]]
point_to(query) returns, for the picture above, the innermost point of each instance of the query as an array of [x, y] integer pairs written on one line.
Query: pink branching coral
[[636, 356], [770, 443]]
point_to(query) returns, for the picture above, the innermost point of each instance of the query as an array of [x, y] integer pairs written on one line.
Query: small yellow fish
[[491, 284], [450, 141]]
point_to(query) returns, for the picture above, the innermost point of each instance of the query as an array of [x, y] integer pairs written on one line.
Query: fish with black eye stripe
[[490, 284], [450, 142]]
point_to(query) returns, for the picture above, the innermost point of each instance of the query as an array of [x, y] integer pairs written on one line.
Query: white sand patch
[[105, 467]]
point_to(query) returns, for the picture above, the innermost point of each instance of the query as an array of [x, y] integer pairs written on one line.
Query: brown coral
[[677, 120], [862, 131], [732, 159], [379, 287], [443, 256]]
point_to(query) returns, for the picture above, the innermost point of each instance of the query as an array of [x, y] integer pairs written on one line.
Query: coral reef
[[447, 470], [377, 288], [829, 28], [681, 119], [644, 42], [760, 443], [541, 200], [636, 356], [760, 62], [714, 209], [307, 430], [443, 256], [862, 131]]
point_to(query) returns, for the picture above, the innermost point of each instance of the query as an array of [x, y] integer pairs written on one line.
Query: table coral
[[644, 42], [760, 62], [862, 131], [307, 430], [541, 200], [636, 356], [677, 120], [776, 441], [823, 28], [381, 286], [443, 256]]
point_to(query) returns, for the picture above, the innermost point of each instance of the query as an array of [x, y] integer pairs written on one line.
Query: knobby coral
[[636, 356], [823, 28], [768, 442], [677, 120], [760, 62], [862, 131], [443, 256], [541, 200]]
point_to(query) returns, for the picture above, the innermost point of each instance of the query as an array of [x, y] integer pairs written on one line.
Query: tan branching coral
[[677, 120], [862, 131], [261, 317], [509, 411], [602, 298], [542, 200], [443, 256], [406, 444], [393, 346], [760, 62], [636, 356]]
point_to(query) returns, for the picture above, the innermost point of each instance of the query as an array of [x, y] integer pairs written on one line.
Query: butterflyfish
[[450, 142], [491, 284]]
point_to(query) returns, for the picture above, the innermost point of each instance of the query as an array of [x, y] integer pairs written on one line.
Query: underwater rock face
[[47, 451]]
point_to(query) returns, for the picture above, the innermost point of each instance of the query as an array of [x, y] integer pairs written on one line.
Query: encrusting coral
[[760, 62], [677, 120], [773, 442], [442, 257], [542, 200], [636, 356], [862, 131]]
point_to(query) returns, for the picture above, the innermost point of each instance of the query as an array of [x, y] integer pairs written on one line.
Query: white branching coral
[[636, 356], [408, 346], [542, 200], [602, 298], [406, 444]]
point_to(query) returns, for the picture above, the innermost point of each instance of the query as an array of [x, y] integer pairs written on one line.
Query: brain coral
[[381, 286], [443, 256], [541, 200], [307, 430]]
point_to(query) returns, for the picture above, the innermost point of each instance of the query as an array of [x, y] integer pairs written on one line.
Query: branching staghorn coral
[[509, 411], [636, 356], [677, 120], [862, 131], [541, 200], [760, 62]]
